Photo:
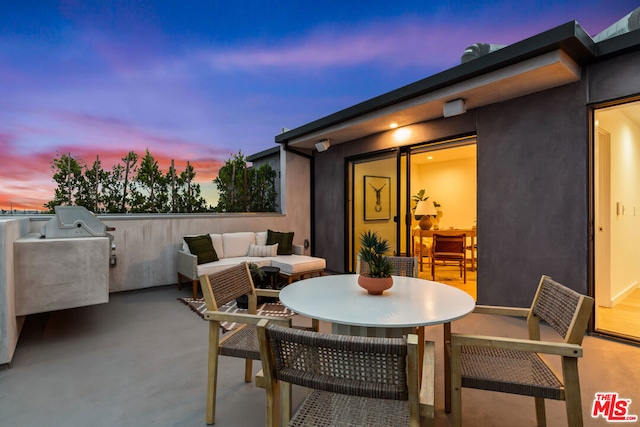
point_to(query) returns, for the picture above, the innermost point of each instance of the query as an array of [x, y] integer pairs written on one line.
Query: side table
[[272, 276]]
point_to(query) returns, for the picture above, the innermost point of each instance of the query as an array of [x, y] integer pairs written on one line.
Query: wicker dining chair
[[516, 366], [219, 289], [402, 266], [355, 381]]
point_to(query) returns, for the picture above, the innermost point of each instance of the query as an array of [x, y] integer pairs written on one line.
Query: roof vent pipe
[[477, 50], [630, 22]]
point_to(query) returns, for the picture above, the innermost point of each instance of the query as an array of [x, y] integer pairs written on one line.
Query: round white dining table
[[409, 303]]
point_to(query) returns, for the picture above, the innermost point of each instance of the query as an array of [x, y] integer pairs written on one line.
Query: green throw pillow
[[202, 247], [284, 241]]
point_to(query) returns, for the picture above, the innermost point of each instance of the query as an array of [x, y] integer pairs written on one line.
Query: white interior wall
[[385, 228], [625, 202], [453, 184]]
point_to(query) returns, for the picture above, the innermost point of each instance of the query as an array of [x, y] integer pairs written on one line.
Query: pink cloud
[[26, 178]]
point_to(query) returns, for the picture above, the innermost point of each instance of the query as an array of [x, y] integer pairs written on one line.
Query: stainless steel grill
[[74, 221]]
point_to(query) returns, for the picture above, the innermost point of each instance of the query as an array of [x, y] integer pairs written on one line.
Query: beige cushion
[[296, 264], [224, 263], [216, 239], [237, 244], [261, 238], [262, 251]]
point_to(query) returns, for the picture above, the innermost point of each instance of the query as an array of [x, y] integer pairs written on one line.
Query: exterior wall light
[[454, 108], [323, 145]]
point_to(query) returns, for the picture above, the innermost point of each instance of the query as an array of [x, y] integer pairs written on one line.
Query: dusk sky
[[200, 80]]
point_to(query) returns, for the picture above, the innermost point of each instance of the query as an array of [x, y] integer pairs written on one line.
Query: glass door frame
[[403, 216], [593, 215], [350, 200]]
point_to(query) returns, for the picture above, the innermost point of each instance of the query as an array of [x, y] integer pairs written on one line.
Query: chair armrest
[[427, 385], [298, 250], [267, 292], [250, 319], [532, 346], [188, 265], [502, 311]]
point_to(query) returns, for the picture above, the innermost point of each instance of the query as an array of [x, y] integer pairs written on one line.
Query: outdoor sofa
[[264, 248]]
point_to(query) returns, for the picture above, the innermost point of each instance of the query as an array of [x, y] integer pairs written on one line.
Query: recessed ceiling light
[[393, 125]]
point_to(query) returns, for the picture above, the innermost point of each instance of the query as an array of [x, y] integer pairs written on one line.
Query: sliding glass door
[[373, 199]]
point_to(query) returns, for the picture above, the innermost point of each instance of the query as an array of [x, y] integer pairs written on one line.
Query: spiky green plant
[[372, 251]]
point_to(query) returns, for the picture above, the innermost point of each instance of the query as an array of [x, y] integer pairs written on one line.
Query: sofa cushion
[[296, 264], [216, 239], [261, 238], [284, 241], [202, 247], [224, 263], [237, 244], [262, 251]]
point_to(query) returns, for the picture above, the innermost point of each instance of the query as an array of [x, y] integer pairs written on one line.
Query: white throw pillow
[[262, 251], [261, 238]]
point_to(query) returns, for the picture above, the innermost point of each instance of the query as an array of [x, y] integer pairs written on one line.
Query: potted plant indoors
[[372, 250]]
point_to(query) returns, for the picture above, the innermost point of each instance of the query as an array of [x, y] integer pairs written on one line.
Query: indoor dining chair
[[219, 289], [517, 366], [449, 248], [402, 266], [354, 381]]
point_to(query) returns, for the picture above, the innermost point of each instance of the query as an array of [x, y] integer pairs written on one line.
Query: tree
[[130, 161], [150, 194], [67, 172], [90, 195], [130, 187], [245, 189], [232, 185], [262, 191], [188, 196], [113, 190]]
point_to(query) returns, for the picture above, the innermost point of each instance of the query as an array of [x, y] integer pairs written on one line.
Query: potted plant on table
[[372, 252]]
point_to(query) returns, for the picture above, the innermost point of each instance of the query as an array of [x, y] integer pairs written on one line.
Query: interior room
[[448, 176], [443, 174], [617, 219]]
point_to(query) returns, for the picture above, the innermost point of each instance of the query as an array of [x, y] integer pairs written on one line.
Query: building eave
[[426, 96]]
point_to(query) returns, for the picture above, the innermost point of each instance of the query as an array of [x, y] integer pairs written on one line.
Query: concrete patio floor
[[140, 360]]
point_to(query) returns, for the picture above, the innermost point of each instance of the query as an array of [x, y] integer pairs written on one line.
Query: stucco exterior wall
[[614, 78], [532, 191], [532, 195], [330, 180]]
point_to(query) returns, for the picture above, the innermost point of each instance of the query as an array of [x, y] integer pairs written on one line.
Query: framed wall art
[[377, 198]]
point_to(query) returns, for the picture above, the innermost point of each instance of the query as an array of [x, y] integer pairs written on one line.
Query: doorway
[[446, 171], [616, 186], [373, 200]]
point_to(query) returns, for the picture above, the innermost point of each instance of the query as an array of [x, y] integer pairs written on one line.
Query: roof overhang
[[548, 60]]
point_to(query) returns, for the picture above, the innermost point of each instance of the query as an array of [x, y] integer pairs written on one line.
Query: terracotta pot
[[375, 285]]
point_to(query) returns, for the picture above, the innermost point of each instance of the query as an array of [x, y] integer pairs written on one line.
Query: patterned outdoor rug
[[269, 309]]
